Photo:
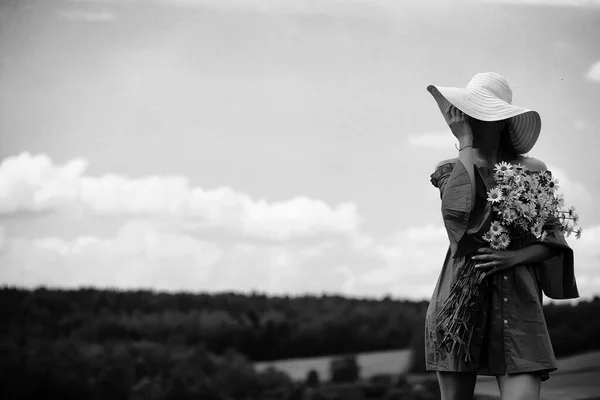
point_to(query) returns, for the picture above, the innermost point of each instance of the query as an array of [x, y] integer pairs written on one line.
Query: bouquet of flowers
[[522, 202]]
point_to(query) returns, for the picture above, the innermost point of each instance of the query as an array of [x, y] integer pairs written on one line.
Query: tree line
[[91, 343]]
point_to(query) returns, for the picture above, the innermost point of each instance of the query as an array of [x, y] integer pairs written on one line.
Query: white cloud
[[575, 192], [2, 239], [144, 254], [413, 261], [426, 233], [140, 255], [34, 183], [434, 140], [87, 15], [154, 253], [593, 73]]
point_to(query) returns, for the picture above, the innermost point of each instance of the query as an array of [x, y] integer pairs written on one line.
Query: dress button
[[505, 299], [506, 321], [505, 277]]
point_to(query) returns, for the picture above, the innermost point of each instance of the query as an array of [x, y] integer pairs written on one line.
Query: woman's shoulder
[[526, 161], [448, 161], [532, 163]]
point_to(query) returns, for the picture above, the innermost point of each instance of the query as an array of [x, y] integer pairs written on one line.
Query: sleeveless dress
[[511, 332]]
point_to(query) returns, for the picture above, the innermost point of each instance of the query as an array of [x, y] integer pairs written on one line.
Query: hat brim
[[483, 105]]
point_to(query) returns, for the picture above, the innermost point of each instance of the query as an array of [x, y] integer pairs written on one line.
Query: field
[[577, 378], [387, 362]]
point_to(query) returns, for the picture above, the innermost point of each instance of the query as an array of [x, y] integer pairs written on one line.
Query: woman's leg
[[457, 385], [519, 386]]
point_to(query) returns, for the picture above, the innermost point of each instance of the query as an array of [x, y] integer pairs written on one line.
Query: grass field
[[388, 362], [577, 378]]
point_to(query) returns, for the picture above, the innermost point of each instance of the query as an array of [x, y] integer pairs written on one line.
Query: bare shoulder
[[533, 164], [448, 161]]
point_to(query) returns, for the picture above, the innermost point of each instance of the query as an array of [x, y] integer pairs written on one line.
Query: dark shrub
[[417, 346], [312, 378], [344, 369]]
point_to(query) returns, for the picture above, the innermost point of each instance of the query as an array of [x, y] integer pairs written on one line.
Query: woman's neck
[[489, 154], [486, 158], [488, 149]]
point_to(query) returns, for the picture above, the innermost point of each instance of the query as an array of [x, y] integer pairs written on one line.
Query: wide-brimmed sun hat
[[488, 97]]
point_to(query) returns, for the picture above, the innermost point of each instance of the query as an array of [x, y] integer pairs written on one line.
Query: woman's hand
[[492, 261], [459, 124]]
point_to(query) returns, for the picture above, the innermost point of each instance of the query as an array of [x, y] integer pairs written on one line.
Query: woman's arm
[[499, 260], [535, 253], [461, 129]]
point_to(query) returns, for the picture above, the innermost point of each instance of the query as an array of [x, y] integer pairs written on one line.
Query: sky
[[282, 147]]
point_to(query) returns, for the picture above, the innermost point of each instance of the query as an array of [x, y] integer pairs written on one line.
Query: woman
[[513, 340]]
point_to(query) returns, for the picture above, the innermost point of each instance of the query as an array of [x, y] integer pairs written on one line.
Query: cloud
[[413, 259], [2, 239], [35, 183], [580, 125], [164, 245], [593, 73], [140, 255], [87, 15], [426, 233], [433, 140], [574, 191], [149, 254]]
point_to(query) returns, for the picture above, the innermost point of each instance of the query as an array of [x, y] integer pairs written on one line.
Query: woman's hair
[[506, 144]]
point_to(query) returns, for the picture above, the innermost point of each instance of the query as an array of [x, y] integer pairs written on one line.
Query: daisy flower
[[543, 198], [504, 240], [496, 243], [519, 169], [578, 233], [509, 215], [526, 211], [496, 229], [494, 195], [545, 175], [529, 196], [569, 230], [537, 230], [560, 200], [488, 236], [503, 168], [553, 184]]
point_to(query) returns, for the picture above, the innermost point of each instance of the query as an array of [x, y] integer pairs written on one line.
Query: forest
[[99, 344]]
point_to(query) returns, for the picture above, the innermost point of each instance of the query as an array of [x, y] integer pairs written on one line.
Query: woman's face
[[486, 129]]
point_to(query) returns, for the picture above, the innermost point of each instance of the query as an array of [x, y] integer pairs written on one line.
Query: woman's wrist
[[465, 141], [518, 257]]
